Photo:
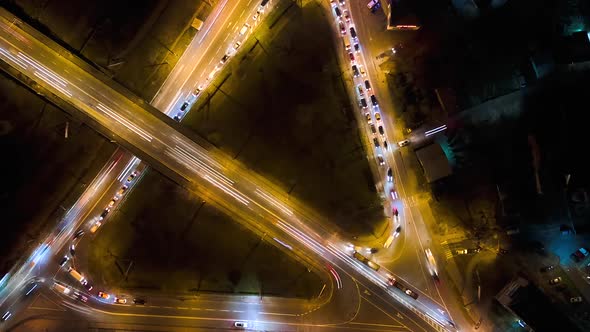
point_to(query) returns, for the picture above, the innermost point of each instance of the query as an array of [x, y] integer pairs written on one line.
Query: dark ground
[[42, 170], [285, 113], [177, 243]]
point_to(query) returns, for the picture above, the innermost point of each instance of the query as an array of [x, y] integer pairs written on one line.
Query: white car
[[431, 264], [576, 299], [244, 29], [403, 143], [241, 325]]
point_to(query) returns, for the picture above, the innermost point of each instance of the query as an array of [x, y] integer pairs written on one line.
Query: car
[[369, 118], [197, 91], [395, 212], [255, 17], [81, 297], [104, 213], [119, 300], [579, 254], [6, 316], [360, 90], [374, 101], [122, 190], [363, 103], [385, 146], [373, 130], [431, 264], [241, 324], [73, 250], [131, 176], [461, 251], [381, 131], [224, 59], [341, 2], [367, 85], [338, 13], [139, 301], [237, 45], [393, 194], [351, 56], [547, 268], [576, 299], [380, 160], [376, 142], [184, 106], [346, 15], [78, 234], [389, 175], [342, 28], [353, 33], [403, 143], [397, 232], [63, 261], [176, 118], [95, 226], [555, 281], [244, 29], [362, 69], [113, 201], [372, 4], [355, 71], [357, 48], [88, 286], [103, 295], [377, 116]]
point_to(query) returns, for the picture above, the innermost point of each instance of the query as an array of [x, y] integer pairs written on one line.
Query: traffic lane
[[196, 54], [197, 64]]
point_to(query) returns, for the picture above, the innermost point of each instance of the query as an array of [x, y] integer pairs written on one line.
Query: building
[[434, 162]]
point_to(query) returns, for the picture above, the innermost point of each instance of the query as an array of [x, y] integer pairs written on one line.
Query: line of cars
[[242, 33]]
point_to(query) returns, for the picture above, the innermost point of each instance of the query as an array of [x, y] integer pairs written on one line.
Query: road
[[223, 179], [409, 248]]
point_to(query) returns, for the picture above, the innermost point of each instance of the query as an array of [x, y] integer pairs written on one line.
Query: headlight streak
[[128, 124], [274, 202], [314, 245], [227, 190], [201, 155], [13, 58], [131, 164], [198, 164]]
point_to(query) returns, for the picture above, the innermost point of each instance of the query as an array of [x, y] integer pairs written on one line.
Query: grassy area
[[284, 111], [139, 41], [177, 243], [42, 170]]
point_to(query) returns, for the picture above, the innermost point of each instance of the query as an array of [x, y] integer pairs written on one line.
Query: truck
[[76, 275], [366, 261]]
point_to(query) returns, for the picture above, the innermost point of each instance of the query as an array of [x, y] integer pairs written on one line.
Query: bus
[[366, 261]]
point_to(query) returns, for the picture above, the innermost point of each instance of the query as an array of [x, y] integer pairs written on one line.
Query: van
[[244, 29]]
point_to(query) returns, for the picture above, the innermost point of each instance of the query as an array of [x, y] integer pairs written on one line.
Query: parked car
[[579, 254]]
